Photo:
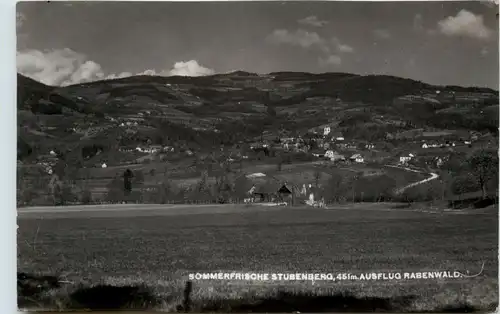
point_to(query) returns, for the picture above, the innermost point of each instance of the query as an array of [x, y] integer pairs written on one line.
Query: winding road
[[433, 176]]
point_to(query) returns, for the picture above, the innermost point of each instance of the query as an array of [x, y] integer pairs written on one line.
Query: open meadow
[[159, 245]]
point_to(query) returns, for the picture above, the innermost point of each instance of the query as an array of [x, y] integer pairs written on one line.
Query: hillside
[[238, 106]]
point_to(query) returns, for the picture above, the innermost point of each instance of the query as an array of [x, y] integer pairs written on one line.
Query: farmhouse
[[270, 191], [357, 158], [405, 158], [337, 136], [329, 153], [317, 153]]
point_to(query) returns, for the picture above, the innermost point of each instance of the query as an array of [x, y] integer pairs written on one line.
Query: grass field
[[159, 247]]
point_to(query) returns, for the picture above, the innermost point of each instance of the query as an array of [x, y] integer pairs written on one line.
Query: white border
[[8, 130]]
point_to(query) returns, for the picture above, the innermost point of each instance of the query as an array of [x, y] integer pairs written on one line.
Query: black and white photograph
[[257, 156]]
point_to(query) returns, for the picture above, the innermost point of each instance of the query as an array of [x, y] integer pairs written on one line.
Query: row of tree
[[462, 173]]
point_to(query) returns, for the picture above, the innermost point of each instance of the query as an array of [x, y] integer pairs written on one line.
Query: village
[[321, 143]]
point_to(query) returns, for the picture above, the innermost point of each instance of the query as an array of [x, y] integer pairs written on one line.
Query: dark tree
[[484, 166], [127, 181]]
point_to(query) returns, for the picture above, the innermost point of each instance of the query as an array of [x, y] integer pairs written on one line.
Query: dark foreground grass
[[143, 261]]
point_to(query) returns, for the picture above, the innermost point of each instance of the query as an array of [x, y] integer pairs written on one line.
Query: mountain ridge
[[241, 106], [324, 75]]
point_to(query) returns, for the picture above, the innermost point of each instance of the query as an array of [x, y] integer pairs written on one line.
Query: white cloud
[[190, 68], [382, 33], [308, 40], [118, 76], [300, 38], [63, 67], [340, 47], [58, 67], [312, 21], [330, 60], [329, 49], [465, 23], [345, 48], [86, 72]]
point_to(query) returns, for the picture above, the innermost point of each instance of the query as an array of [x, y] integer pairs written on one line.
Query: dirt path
[[433, 176]]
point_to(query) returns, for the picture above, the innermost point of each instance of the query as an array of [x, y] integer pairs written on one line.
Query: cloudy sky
[[62, 43]]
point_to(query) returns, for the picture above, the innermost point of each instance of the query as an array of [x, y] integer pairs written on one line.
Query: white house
[[467, 142], [329, 154], [326, 130], [369, 146], [404, 159], [340, 138], [425, 145], [334, 156], [357, 158], [104, 165], [52, 153]]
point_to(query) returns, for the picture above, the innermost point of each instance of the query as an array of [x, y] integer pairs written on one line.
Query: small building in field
[[285, 194], [357, 158], [329, 154], [104, 165], [270, 190], [334, 156], [405, 158]]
